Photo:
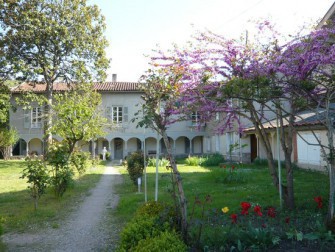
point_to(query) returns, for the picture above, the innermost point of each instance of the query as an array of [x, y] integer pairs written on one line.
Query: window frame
[[36, 116]]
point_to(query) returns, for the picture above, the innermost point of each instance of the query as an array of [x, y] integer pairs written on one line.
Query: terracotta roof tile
[[103, 87]]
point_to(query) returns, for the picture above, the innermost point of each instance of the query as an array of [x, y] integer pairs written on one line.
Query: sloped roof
[[304, 118], [99, 86], [330, 15]]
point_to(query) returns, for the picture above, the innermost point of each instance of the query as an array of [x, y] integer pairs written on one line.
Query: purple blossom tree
[[307, 67], [235, 78]]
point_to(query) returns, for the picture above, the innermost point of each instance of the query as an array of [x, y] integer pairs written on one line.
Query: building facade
[[119, 105]]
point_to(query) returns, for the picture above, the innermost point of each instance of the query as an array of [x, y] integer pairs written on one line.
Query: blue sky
[[135, 27]]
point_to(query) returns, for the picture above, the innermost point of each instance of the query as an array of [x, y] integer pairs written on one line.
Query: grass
[[249, 183], [16, 206]]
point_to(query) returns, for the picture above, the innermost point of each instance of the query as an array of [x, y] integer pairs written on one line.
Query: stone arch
[[197, 145], [134, 144], [183, 146], [35, 146], [119, 148], [150, 145], [20, 148]]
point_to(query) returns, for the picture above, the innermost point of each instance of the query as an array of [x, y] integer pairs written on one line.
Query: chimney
[[114, 77]]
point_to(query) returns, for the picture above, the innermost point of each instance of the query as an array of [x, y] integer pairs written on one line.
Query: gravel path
[[86, 229]]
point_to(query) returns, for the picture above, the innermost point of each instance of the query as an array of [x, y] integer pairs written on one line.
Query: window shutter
[[26, 119], [125, 114], [108, 112]]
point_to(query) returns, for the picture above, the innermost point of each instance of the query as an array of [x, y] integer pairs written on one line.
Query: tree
[[235, 78], [306, 65], [4, 103], [37, 176], [50, 41], [8, 137], [78, 115], [161, 91]]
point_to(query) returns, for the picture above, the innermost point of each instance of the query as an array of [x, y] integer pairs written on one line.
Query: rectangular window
[[195, 117], [115, 114], [36, 117]]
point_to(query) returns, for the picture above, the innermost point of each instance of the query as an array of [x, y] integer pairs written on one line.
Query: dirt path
[[86, 229]]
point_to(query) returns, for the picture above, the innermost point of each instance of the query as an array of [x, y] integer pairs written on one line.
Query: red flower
[[233, 167], [287, 220], [319, 201], [245, 207], [233, 218], [224, 166], [272, 212], [257, 210]]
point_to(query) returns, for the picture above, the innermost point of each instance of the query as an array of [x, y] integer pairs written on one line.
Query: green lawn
[[16, 206], [228, 188], [246, 183]]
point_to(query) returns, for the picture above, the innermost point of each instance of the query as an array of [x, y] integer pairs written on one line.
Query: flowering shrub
[[254, 227], [257, 210], [245, 207]]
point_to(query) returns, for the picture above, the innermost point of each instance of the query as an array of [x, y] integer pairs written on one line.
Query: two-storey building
[[119, 105]]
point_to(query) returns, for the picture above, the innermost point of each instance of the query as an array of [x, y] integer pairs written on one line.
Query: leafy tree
[[8, 137], [135, 166], [161, 92], [38, 178], [62, 174], [78, 115], [50, 41], [4, 103]]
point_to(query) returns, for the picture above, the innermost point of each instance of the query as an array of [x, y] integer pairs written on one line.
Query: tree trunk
[[261, 133], [330, 213], [48, 122], [331, 170], [178, 181], [6, 152]]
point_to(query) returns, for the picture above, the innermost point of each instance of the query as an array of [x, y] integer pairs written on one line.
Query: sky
[[136, 27]]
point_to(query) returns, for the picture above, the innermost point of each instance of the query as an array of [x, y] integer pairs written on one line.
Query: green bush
[[62, 175], [151, 208], [163, 162], [79, 159], [135, 166], [194, 161], [213, 160], [138, 229], [150, 220], [166, 241], [164, 213]]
